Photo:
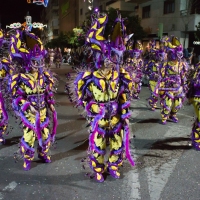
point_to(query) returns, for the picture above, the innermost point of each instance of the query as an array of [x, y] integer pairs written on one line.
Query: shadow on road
[[11, 141]]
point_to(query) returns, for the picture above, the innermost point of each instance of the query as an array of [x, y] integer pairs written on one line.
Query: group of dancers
[[104, 90], [105, 87]]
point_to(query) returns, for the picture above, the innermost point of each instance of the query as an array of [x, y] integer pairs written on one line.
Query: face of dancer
[[136, 54], [37, 63], [179, 54]]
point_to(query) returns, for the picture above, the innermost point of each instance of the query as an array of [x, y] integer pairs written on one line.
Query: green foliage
[[132, 24], [197, 33], [76, 37]]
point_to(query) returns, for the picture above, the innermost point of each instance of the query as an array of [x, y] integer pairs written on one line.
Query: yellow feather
[[13, 84], [103, 84], [31, 82], [94, 26], [94, 46], [113, 85], [96, 74], [115, 75], [86, 74], [80, 84], [41, 81], [18, 44], [102, 19]]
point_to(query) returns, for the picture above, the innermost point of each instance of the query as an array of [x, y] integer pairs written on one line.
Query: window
[[146, 12], [55, 32], [169, 6], [195, 7], [81, 11]]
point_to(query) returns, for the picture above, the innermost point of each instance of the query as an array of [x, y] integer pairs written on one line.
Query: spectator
[[190, 55], [195, 59], [185, 53]]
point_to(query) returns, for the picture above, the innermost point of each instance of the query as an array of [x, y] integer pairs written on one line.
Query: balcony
[[121, 6], [189, 20], [137, 1]]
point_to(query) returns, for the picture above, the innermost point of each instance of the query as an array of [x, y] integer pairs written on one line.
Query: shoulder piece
[[126, 79], [14, 81], [49, 77]]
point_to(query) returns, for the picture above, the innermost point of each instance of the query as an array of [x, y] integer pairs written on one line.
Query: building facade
[[60, 16], [170, 17], [158, 17]]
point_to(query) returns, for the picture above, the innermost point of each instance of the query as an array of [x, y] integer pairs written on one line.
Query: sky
[[15, 10]]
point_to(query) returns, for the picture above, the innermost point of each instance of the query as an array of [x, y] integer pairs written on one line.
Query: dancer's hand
[[127, 121], [33, 110], [52, 108]]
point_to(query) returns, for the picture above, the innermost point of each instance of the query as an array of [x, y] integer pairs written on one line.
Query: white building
[[174, 17], [50, 16], [178, 17]]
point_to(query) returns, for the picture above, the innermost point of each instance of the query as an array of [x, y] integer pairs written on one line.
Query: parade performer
[[137, 64], [58, 57], [193, 96], [32, 93], [6, 70], [173, 81], [134, 66], [49, 58], [103, 91], [152, 70]]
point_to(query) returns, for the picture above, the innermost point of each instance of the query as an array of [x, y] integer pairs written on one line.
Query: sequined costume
[[137, 73], [6, 70], [152, 70], [173, 81], [32, 93], [58, 57], [193, 96], [103, 91], [49, 58], [134, 65]]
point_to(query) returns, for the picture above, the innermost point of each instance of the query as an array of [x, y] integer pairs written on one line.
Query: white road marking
[[1, 196], [159, 174], [133, 175], [11, 186]]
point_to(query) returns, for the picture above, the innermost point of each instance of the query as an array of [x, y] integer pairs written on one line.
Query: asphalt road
[[166, 165]]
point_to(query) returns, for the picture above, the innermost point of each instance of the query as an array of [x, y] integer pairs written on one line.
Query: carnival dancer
[[49, 58], [6, 70], [152, 70], [103, 91], [32, 93], [58, 57], [137, 64], [193, 96], [173, 81]]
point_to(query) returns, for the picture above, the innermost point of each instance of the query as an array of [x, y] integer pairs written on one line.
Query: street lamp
[[90, 7]]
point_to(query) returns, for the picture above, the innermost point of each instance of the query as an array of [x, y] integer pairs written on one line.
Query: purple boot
[[27, 165], [113, 171], [27, 153]]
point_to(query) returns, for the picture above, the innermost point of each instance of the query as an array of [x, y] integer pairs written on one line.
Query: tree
[[61, 41]]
